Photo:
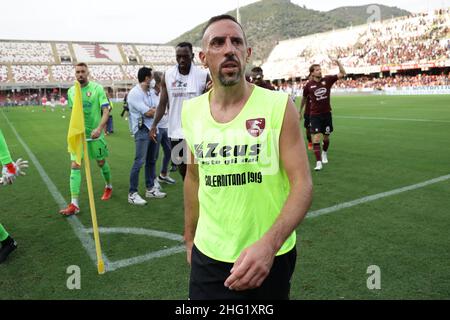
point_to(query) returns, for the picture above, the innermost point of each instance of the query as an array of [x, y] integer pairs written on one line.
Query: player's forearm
[[341, 68], [5, 156], [191, 205], [104, 120], [302, 105], [150, 113], [160, 111], [292, 214]]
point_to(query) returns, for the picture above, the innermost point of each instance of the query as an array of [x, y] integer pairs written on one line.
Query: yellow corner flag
[[75, 137], [76, 140]]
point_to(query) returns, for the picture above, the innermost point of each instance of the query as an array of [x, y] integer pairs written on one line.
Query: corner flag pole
[[98, 248], [77, 145]]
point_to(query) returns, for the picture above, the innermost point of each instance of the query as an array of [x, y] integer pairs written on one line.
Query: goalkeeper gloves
[[13, 170]]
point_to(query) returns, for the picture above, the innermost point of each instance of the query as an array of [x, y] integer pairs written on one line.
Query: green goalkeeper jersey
[[94, 99], [5, 156]]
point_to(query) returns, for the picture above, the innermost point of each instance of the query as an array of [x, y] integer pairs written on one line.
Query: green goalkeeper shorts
[[97, 149]]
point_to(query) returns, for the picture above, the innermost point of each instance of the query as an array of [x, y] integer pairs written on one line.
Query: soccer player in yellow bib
[[248, 184]]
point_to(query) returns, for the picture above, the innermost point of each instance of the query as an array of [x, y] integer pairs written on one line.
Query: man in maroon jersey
[[307, 121], [318, 91]]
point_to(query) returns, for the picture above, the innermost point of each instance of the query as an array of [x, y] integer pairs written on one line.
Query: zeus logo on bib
[[215, 150], [256, 126]]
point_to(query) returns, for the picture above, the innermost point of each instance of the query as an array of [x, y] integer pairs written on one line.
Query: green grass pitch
[[380, 143]]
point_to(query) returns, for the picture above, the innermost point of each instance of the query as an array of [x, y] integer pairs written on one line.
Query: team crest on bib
[[256, 126], [89, 93]]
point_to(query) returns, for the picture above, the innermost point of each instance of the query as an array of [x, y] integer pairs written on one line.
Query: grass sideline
[[406, 235]]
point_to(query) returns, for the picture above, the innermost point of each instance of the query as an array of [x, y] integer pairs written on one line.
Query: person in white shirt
[[162, 137], [181, 82], [141, 119]]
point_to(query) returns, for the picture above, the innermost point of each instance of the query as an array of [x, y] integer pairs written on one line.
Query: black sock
[[7, 241]]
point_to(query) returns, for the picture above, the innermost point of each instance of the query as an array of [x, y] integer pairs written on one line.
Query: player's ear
[[202, 57], [249, 54]]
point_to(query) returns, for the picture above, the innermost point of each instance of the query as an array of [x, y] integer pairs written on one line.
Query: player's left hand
[[96, 133], [252, 267]]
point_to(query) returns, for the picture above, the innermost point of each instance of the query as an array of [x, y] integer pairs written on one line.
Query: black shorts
[[307, 122], [321, 123], [208, 277]]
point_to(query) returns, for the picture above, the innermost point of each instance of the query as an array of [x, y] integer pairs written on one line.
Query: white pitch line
[[114, 265], [140, 259], [374, 197], [390, 119], [74, 222], [140, 232]]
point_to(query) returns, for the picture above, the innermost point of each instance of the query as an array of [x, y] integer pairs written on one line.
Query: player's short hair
[[143, 73], [257, 70], [185, 44], [81, 64], [223, 17], [313, 66]]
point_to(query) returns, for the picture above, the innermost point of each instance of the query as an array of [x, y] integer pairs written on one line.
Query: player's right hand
[[9, 173], [152, 133], [13, 170]]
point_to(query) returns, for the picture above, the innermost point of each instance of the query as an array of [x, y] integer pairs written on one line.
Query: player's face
[[256, 77], [317, 72], [184, 58], [225, 52], [148, 79], [81, 74]]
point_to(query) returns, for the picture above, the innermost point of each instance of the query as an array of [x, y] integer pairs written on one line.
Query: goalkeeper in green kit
[[96, 108], [10, 171]]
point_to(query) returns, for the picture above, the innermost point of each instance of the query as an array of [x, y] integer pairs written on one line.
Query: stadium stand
[[63, 73], [3, 73], [156, 54], [103, 73], [63, 52], [50, 64], [413, 42], [131, 71], [365, 84], [30, 74], [130, 55], [397, 81], [26, 52]]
